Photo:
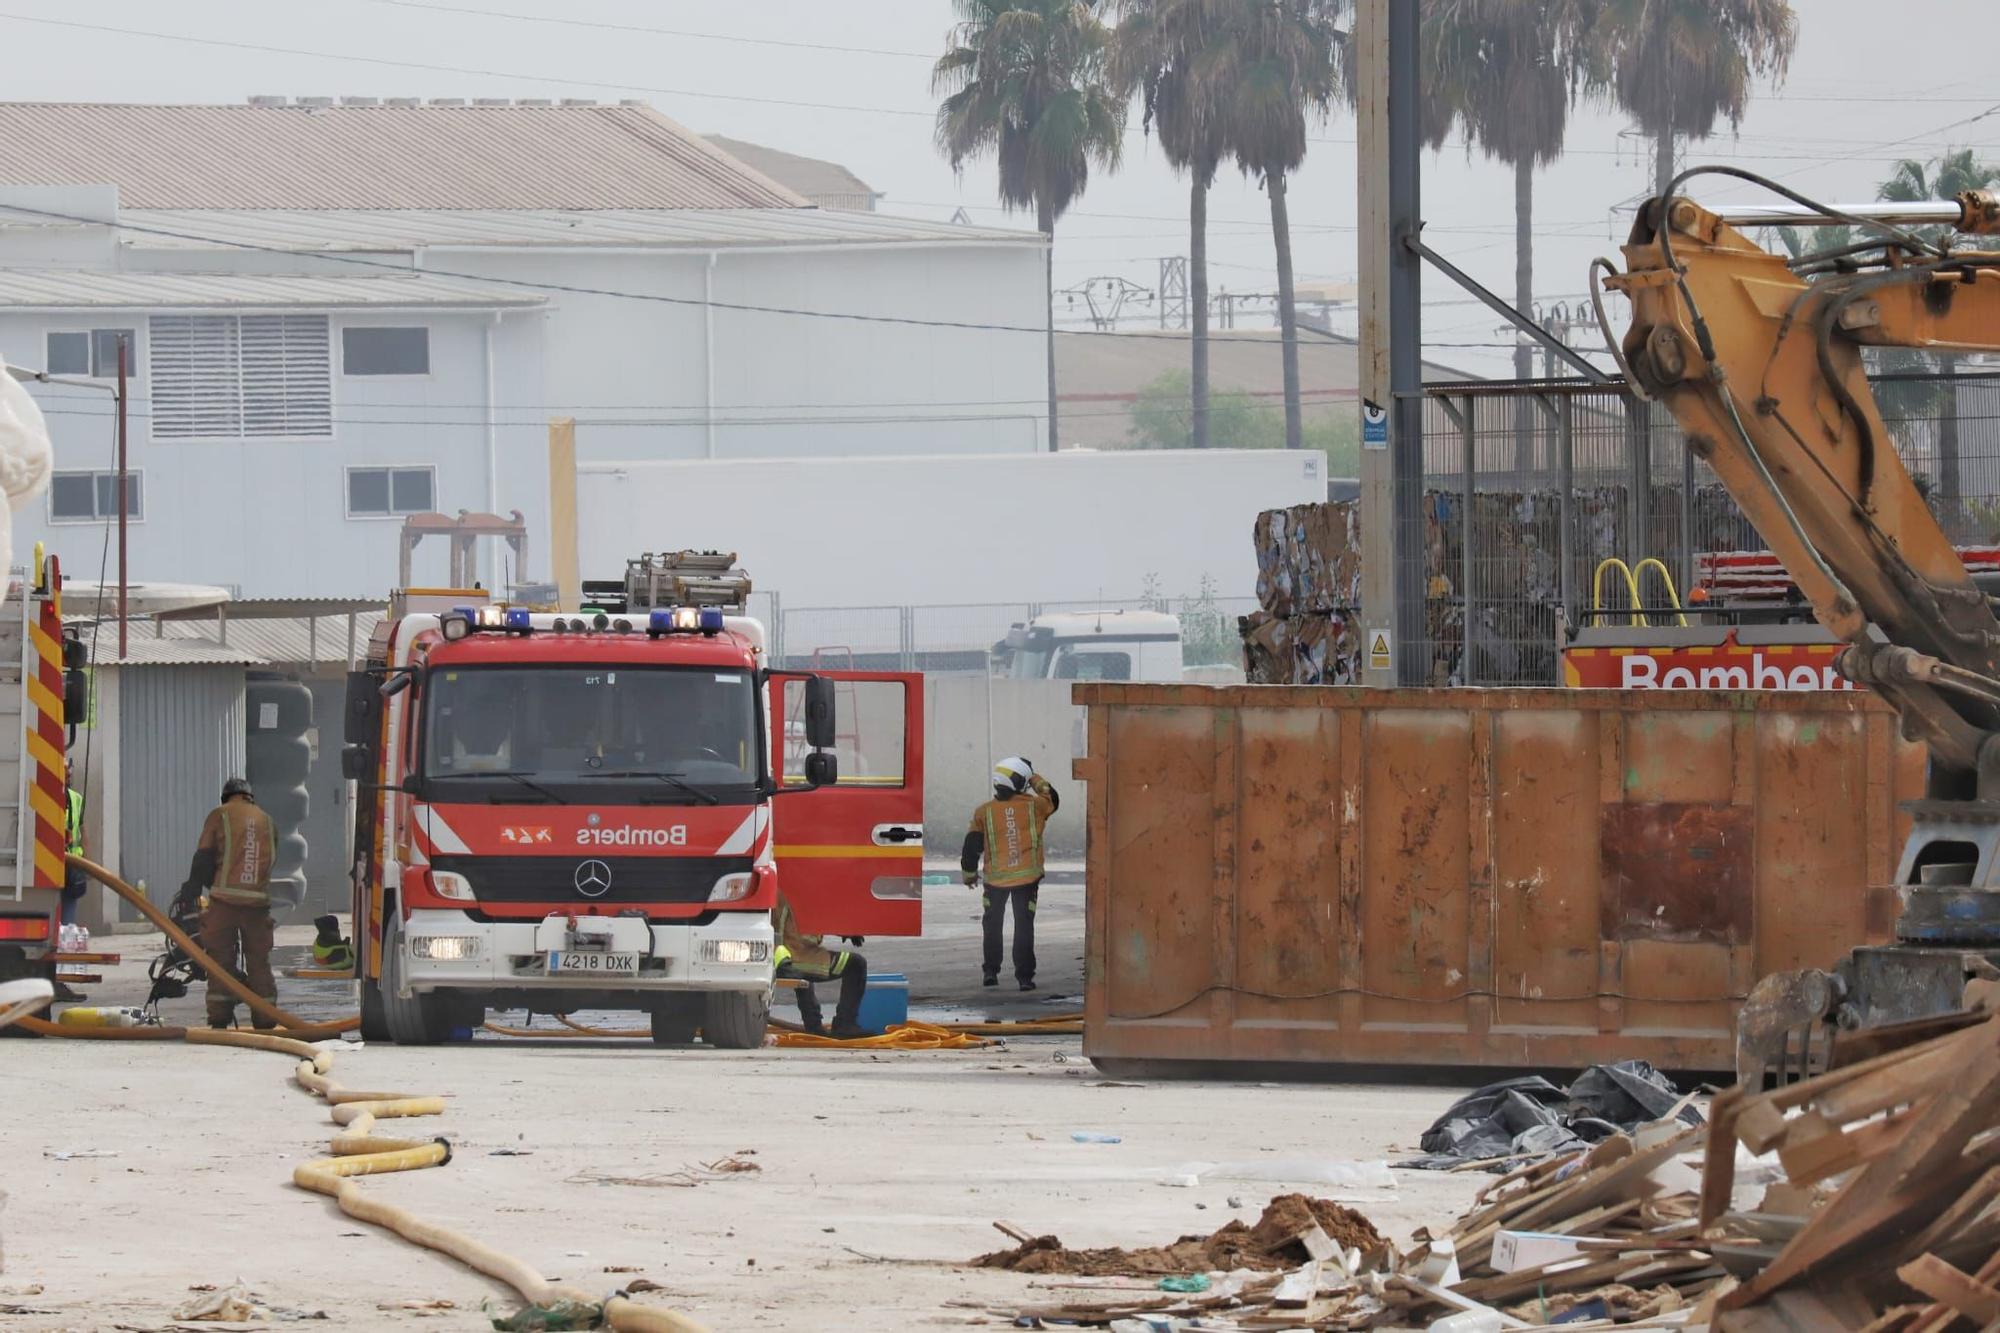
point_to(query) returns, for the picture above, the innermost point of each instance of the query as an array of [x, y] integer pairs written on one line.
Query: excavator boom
[[1761, 361]]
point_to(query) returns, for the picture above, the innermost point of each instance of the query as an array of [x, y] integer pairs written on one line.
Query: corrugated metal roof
[[66, 289], [823, 182], [143, 650], [695, 229], [287, 641], [377, 157]]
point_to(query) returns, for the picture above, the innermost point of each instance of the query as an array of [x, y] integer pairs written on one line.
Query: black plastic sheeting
[[1532, 1117]]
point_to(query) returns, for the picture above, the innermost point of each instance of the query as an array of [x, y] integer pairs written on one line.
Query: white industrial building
[[344, 313]]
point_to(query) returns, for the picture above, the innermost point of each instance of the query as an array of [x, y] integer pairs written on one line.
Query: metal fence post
[[1566, 482], [1639, 446], [1470, 461], [1687, 520]]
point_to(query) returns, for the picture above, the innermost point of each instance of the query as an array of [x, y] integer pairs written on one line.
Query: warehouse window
[[91, 352], [390, 492], [385, 351], [91, 497], [241, 376]]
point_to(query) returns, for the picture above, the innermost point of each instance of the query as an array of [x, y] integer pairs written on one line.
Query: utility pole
[[124, 481], [1392, 444]]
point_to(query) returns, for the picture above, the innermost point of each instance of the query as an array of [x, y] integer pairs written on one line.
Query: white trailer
[[1076, 527]]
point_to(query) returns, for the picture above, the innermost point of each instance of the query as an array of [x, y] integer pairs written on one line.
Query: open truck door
[[851, 853]]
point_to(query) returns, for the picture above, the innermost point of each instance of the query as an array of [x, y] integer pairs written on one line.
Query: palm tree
[[1912, 181], [1155, 52], [1678, 66], [1504, 73], [1025, 81], [1270, 68]]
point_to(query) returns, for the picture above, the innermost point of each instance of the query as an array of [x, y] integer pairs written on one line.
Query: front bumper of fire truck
[[448, 950]]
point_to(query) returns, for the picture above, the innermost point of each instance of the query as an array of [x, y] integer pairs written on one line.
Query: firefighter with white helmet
[[1005, 840]]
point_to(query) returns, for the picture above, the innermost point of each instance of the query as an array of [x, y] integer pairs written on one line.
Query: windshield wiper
[[522, 778], [672, 779]]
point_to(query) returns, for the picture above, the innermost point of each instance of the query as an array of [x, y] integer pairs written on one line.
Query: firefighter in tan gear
[[1006, 834], [232, 865], [806, 959]]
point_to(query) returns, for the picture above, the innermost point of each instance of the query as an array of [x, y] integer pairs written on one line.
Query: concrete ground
[[138, 1171]]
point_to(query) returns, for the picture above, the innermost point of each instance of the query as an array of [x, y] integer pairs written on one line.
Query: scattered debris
[[1524, 1118], [1093, 1136], [1278, 1241], [231, 1305], [77, 1154], [1892, 1180], [1189, 1282], [686, 1178]]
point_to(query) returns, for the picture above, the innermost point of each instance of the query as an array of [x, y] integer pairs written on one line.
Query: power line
[[641, 28], [529, 284]]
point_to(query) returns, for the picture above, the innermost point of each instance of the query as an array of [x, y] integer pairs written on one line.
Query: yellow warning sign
[[1378, 650]]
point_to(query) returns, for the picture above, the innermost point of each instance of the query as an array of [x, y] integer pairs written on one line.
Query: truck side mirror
[[364, 703], [394, 685], [357, 762], [76, 695], [819, 712], [822, 768]]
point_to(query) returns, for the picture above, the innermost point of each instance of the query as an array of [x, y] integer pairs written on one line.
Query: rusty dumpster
[[1517, 877]]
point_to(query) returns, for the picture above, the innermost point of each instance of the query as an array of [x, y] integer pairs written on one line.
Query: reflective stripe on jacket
[[245, 844], [1012, 831]]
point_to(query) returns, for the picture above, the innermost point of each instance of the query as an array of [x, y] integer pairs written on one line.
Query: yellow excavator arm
[[1760, 362]]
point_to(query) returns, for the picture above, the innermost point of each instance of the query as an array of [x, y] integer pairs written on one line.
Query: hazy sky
[[849, 80]]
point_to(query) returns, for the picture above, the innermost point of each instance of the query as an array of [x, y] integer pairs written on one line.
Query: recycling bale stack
[[1309, 588]]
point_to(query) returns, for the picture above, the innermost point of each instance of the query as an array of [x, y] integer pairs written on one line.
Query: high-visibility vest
[[75, 821], [1013, 831]]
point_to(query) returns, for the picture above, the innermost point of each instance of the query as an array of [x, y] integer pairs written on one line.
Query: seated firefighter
[[803, 957]]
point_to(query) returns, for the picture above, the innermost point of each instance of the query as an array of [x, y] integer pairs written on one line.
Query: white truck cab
[[1094, 645]]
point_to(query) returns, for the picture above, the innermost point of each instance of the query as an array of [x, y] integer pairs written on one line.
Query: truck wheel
[[374, 1027], [421, 1020], [675, 1021], [735, 1021]]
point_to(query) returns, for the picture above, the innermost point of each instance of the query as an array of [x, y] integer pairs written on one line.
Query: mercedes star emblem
[[593, 879]]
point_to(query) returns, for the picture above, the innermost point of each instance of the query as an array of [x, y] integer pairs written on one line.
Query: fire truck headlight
[[447, 884], [444, 948], [456, 626], [733, 888], [491, 617], [734, 951]]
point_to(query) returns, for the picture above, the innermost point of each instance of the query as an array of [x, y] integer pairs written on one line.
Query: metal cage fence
[[1532, 487]]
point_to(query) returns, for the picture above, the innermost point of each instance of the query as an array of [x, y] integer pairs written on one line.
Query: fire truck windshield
[[591, 734]]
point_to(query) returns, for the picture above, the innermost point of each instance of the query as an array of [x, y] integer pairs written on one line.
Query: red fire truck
[[592, 810], [42, 695]]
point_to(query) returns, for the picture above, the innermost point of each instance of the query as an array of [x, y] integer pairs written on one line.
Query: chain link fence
[[1532, 488], [963, 637]]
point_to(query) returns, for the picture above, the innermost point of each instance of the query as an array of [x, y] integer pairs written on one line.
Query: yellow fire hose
[[260, 1006], [359, 1152]]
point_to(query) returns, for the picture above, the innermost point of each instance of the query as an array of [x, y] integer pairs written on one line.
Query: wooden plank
[[1718, 1161], [1919, 1165], [1837, 1150], [1952, 1287]]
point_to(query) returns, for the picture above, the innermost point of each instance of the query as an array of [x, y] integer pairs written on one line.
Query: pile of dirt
[[1272, 1244]]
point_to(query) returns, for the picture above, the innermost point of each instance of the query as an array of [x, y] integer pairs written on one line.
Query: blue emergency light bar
[[684, 620]]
